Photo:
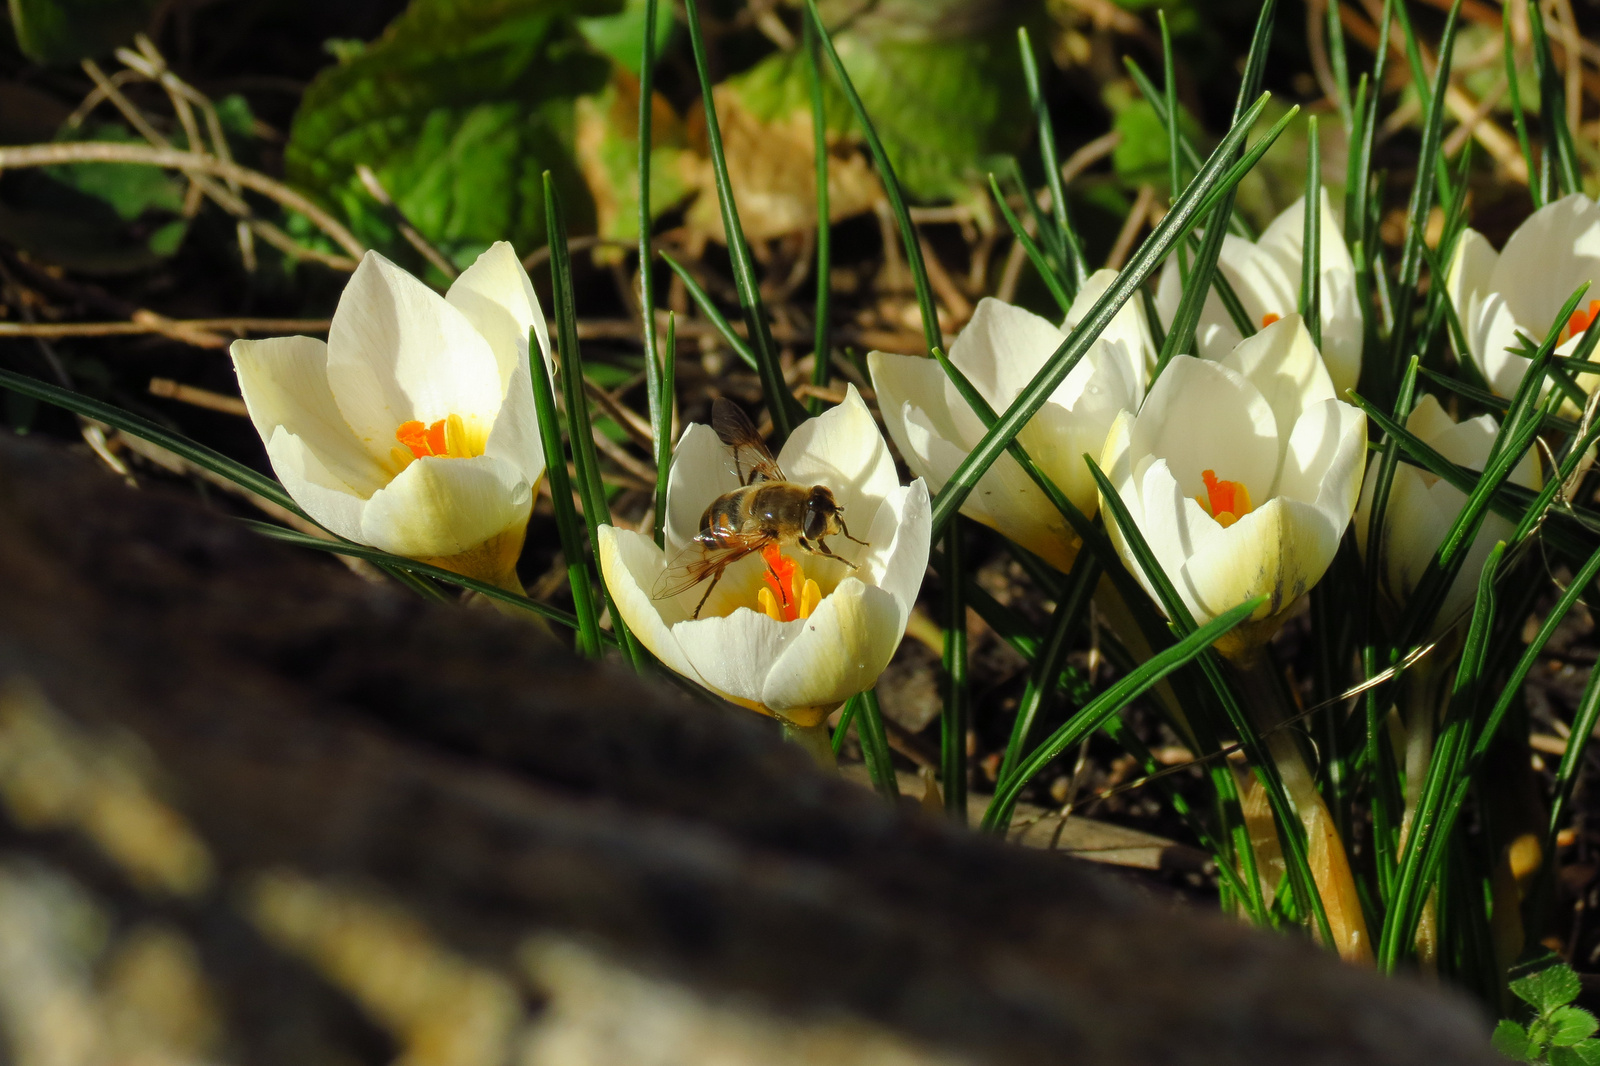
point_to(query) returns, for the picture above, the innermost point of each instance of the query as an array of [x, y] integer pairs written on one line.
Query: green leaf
[[607, 145], [1512, 1041], [621, 36], [458, 108], [129, 189], [1548, 988], [65, 31], [1584, 1054], [1570, 1026]]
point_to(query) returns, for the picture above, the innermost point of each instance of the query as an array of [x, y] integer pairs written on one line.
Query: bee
[[766, 510]]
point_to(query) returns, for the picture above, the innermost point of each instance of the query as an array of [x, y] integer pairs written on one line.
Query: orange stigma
[[789, 593], [1580, 321], [423, 440], [1226, 501], [1269, 318]]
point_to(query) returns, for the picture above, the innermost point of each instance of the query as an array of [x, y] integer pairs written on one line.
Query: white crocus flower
[[1241, 475], [413, 428], [1265, 275], [1000, 351], [1422, 508], [845, 623], [1497, 295]]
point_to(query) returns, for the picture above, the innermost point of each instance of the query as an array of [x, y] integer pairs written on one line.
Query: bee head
[[822, 513]]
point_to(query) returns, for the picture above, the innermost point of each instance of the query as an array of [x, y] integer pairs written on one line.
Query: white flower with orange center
[[413, 428], [1000, 351], [1241, 474], [1265, 275], [794, 623], [1522, 288], [1422, 507]]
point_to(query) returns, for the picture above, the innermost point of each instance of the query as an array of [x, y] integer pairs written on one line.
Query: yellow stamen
[[788, 594], [1269, 318], [451, 437]]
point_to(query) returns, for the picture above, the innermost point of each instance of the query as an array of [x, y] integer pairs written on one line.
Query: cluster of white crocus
[[830, 640], [1001, 349], [413, 428], [1266, 275], [1522, 288], [1422, 507], [1241, 474]]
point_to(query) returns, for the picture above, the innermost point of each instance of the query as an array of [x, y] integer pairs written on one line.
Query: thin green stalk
[[657, 395], [1109, 703], [579, 579], [1311, 239], [1169, 83], [891, 185], [580, 431], [1341, 67], [954, 720], [875, 745], [786, 412], [1052, 657], [1584, 721], [819, 148], [1519, 116], [1553, 108], [661, 426], [1077, 269], [1041, 264], [1422, 192], [717, 319]]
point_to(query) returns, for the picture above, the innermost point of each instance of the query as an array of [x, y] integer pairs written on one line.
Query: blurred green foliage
[[65, 31]]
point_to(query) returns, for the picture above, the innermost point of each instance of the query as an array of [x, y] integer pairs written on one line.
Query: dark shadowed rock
[[342, 825]]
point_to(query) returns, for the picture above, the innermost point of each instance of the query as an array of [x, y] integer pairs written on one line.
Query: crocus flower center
[[1226, 501], [453, 437], [789, 593], [1269, 318], [1580, 321]]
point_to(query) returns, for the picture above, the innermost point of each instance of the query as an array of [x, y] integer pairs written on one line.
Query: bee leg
[[846, 531], [777, 581], [714, 579], [823, 549]]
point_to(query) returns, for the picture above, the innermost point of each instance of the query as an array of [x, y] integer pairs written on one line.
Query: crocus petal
[[1202, 415], [734, 653], [284, 382], [442, 507], [1467, 285], [838, 651], [630, 564], [919, 407], [497, 297], [328, 499], [1547, 258], [515, 434], [1494, 330], [1175, 527], [1283, 365], [1280, 550], [843, 449], [1128, 334], [900, 540], [398, 352], [1002, 347], [1322, 464]]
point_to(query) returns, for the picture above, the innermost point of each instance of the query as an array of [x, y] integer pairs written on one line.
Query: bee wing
[[734, 428], [700, 560]]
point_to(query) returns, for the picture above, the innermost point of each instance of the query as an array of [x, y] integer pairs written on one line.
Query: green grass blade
[[1191, 158], [781, 404], [1033, 396], [1311, 239], [1422, 193], [1077, 268], [658, 394], [891, 185], [1169, 83], [1337, 59], [1036, 256], [661, 426], [819, 148], [875, 745], [718, 320], [1051, 659], [1106, 705], [579, 578], [144, 429], [1519, 115], [955, 719], [1553, 108]]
